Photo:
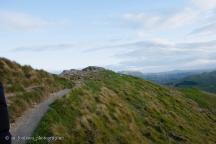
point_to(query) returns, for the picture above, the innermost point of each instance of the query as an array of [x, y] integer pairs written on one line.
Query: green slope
[[25, 86], [114, 109], [205, 81]]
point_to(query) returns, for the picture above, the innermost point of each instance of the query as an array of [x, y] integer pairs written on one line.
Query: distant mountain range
[[164, 77], [202, 79]]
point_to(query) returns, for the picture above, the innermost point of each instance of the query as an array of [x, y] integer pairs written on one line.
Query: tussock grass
[[114, 109], [27, 86]]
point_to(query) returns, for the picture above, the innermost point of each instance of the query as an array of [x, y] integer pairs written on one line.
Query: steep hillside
[[25, 86], [110, 108], [205, 81]]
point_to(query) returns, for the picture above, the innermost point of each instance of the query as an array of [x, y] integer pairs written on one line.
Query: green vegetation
[[25, 86], [204, 100], [115, 109], [205, 81]]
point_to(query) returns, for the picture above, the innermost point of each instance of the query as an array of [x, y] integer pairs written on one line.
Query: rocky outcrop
[[93, 69], [83, 72], [70, 72]]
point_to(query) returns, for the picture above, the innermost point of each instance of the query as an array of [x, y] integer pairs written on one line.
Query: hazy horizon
[[139, 35]]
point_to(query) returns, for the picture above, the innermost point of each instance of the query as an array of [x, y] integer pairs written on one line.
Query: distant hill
[[111, 108], [163, 77], [25, 86], [205, 81]]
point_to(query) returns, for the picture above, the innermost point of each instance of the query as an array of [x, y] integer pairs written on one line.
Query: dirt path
[[25, 125]]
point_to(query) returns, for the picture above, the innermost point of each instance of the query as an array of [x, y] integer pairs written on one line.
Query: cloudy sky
[[144, 35]]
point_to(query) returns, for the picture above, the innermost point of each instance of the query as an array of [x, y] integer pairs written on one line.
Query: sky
[[138, 35]]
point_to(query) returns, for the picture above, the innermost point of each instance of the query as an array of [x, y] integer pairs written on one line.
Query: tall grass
[[114, 109], [25, 86]]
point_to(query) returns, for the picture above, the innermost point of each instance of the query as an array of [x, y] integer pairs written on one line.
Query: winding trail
[[26, 124]]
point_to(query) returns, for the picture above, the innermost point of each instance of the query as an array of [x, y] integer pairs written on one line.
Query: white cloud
[[146, 23], [200, 63], [142, 19], [187, 16], [42, 48], [196, 19], [184, 51], [18, 20], [205, 30], [163, 55], [204, 4]]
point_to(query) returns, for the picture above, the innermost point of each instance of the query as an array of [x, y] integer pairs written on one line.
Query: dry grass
[[125, 110], [25, 86]]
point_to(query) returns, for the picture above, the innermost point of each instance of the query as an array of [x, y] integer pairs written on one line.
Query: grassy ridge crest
[[118, 109]]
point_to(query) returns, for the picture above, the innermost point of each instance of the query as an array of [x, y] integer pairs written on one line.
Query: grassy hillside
[[25, 86], [205, 81], [116, 109], [204, 100]]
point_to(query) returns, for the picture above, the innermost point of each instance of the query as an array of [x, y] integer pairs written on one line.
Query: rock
[[70, 72], [93, 69], [83, 72]]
